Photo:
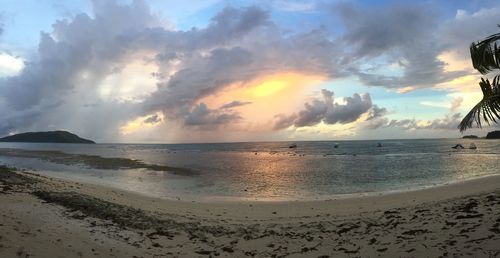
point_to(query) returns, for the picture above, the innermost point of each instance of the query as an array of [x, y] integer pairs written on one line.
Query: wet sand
[[48, 217]]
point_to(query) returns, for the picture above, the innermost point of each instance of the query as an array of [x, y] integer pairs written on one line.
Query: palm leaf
[[485, 54], [488, 109]]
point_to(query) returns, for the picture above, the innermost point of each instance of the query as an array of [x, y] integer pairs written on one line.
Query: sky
[[150, 71]]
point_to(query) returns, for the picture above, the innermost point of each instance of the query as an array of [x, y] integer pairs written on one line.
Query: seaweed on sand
[[93, 161], [10, 180]]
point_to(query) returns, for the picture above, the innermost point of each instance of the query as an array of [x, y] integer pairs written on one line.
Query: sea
[[272, 171]]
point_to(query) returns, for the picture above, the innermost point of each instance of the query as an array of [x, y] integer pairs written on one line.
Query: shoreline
[[242, 209], [49, 217], [220, 199], [245, 209], [343, 196]]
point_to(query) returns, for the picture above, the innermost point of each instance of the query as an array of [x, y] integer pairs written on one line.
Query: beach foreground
[[48, 217]]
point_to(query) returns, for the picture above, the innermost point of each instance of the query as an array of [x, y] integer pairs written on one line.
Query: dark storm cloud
[[325, 110]]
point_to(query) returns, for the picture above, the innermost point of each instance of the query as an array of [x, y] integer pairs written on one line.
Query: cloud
[[401, 34], [449, 122], [87, 44], [376, 118], [234, 104], [376, 30], [80, 53], [90, 58], [72, 61], [376, 112], [456, 103], [153, 119], [465, 27], [202, 116], [201, 77], [294, 6], [268, 52], [256, 52], [326, 111], [283, 121]]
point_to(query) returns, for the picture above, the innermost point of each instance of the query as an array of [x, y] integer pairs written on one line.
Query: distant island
[[493, 135], [470, 137], [51, 137]]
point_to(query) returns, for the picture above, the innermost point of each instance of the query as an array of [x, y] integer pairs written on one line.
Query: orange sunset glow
[[269, 95]]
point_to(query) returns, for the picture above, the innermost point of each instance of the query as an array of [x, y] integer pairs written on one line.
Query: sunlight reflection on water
[[273, 171]]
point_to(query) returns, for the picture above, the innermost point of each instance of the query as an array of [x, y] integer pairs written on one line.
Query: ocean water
[[273, 171]]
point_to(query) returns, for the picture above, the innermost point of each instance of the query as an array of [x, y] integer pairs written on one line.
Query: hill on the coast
[[51, 136], [493, 135]]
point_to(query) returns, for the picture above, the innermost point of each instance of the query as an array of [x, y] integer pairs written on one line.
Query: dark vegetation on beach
[[471, 224], [493, 135], [93, 161], [485, 57], [49, 137], [11, 181]]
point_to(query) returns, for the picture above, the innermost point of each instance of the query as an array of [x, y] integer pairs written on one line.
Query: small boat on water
[[379, 144], [292, 146], [472, 146], [458, 146], [336, 145]]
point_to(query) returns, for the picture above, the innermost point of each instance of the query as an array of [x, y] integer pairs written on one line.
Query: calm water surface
[[272, 171]]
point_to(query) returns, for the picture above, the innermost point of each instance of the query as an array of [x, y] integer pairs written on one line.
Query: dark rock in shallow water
[[470, 137], [493, 135], [51, 136]]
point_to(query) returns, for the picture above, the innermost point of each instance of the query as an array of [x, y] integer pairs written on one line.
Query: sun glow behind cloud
[[10, 65], [132, 83], [269, 95], [269, 88], [142, 123]]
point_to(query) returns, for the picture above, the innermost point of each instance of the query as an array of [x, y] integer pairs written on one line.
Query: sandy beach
[[49, 217]]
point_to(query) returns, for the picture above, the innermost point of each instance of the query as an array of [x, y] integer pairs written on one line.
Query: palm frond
[[488, 109], [485, 54]]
